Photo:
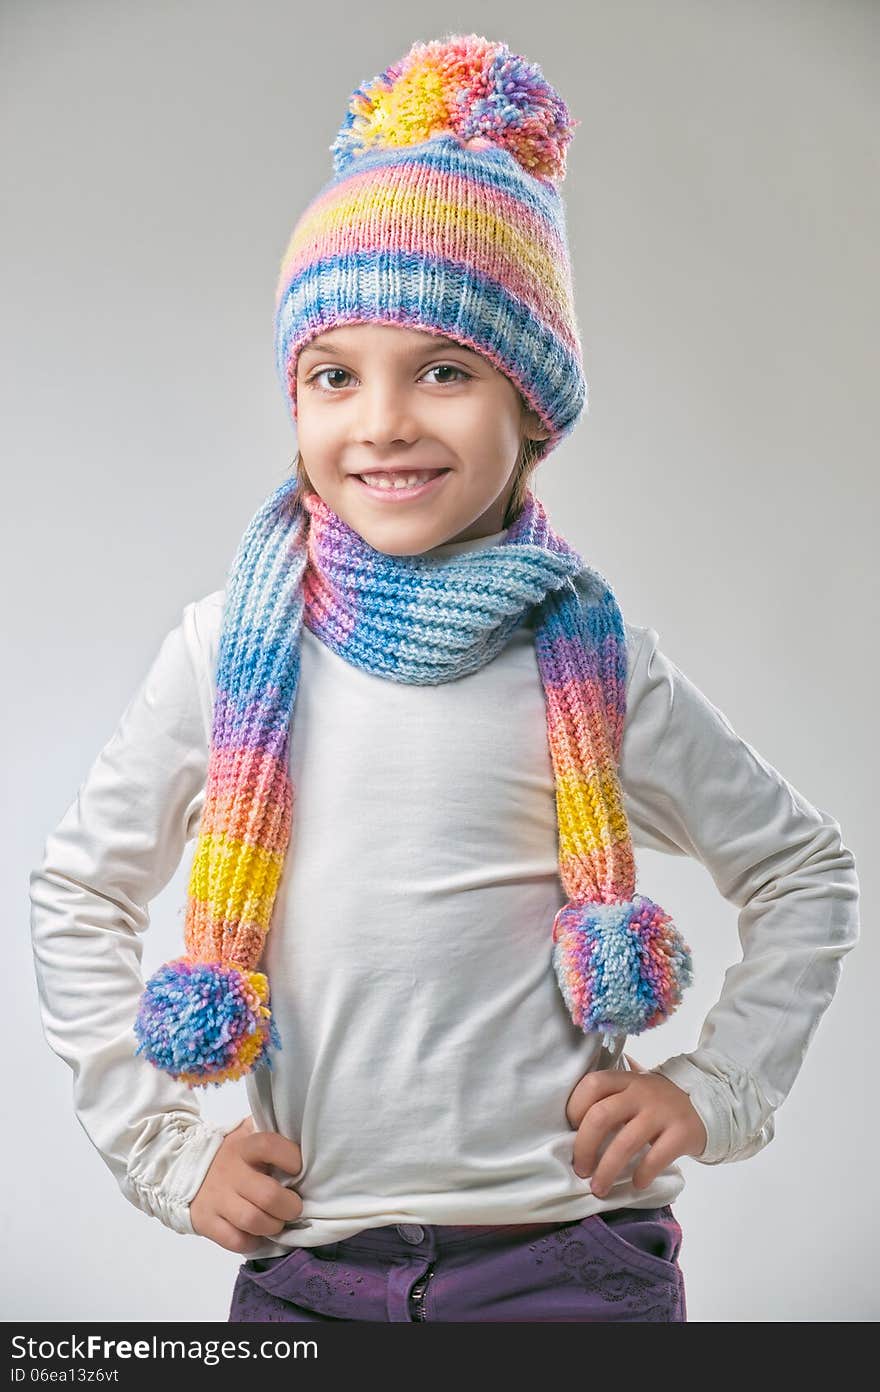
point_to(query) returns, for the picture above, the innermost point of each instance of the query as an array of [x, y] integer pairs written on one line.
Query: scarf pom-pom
[[205, 1022], [621, 967]]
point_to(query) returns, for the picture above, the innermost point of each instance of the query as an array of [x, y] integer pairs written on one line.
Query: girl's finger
[[600, 1122], [626, 1144], [665, 1150], [593, 1088]]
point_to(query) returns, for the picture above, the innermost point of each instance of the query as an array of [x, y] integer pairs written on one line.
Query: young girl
[[415, 737]]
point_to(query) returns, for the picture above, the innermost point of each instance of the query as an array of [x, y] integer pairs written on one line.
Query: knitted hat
[[444, 215]]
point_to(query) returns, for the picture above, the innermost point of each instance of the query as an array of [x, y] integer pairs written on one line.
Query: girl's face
[[373, 397]]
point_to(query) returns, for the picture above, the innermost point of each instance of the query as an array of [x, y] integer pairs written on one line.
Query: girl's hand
[[648, 1108], [238, 1198]]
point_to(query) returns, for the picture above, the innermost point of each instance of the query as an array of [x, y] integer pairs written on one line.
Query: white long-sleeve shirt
[[427, 1052]]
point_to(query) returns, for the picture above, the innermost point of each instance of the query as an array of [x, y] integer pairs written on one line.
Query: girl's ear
[[532, 426]]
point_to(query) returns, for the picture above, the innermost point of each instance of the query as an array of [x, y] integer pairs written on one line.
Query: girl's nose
[[384, 416]]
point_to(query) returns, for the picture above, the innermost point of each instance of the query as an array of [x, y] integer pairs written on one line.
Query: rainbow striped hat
[[444, 214]]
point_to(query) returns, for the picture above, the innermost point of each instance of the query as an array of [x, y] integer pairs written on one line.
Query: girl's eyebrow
[[435, 341]]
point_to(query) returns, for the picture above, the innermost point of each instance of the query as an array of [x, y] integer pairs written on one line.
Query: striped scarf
[[620, 963]]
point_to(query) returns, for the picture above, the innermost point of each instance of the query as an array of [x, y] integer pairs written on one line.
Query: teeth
[[397, 481]]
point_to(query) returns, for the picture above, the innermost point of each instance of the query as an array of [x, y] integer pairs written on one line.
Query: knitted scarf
[[619, 961]]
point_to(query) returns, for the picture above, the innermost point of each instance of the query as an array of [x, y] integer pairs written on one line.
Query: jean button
[[411, 1232]]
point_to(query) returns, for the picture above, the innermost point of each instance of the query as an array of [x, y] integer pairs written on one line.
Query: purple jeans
[[610, 1267]]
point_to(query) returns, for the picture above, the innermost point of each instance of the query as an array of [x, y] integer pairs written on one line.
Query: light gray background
[[723, 217]]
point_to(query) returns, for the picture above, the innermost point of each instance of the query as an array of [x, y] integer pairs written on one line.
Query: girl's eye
[[450, 367], [336, 371], [313, 380]]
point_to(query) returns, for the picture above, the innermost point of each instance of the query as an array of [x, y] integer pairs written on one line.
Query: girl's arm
[[693, 787], [116, 847]]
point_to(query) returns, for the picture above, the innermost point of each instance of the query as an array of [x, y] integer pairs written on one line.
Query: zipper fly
[[417, 1294]]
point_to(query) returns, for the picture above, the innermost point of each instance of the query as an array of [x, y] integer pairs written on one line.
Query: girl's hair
[[530, 453]]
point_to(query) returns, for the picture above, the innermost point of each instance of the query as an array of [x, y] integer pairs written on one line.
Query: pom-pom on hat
[[444, 214]]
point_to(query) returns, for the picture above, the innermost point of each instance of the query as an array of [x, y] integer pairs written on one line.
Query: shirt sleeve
[[115, 849], [692, 786]]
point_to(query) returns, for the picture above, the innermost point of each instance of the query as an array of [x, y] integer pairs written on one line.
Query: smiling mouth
[[399, 479], [399, 487]]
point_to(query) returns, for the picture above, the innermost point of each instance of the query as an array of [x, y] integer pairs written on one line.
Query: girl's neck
[[454, 548]]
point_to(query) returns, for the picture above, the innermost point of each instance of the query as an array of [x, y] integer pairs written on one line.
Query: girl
[[414, 735]]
